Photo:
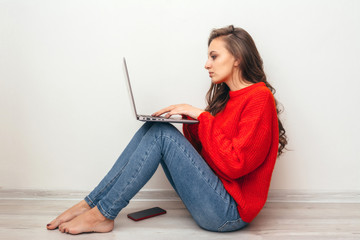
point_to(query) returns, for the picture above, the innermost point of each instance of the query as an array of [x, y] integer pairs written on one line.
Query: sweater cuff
[[205, 116], [205, 120]]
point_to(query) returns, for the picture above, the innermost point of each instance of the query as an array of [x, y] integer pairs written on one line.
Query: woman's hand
[[180, 109]]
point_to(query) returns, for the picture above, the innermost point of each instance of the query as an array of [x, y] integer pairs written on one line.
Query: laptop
[[149, 118]]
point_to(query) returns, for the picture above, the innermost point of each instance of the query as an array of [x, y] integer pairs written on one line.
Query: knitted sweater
[[240, 144]]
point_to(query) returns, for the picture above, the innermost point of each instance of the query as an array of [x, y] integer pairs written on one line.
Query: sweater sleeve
[[232, 158], [191, 133]]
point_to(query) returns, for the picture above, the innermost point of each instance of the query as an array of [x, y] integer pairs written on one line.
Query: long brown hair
[[241, 45]]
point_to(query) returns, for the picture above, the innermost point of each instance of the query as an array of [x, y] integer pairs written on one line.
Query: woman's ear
[[236, 63]]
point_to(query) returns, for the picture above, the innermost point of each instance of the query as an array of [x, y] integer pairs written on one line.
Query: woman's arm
[[191, 133], [237, 156]]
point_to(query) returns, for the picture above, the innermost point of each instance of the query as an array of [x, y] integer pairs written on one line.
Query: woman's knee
[[164, 128]]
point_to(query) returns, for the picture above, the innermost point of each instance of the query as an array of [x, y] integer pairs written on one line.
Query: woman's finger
[[162, 111]]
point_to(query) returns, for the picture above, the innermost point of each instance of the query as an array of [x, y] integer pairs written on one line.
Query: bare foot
[[69, 214], [90, 221]]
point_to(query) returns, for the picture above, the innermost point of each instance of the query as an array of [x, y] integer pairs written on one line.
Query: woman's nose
[[207, 64]]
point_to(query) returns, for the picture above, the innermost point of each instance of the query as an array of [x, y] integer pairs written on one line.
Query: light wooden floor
[[26, 218]]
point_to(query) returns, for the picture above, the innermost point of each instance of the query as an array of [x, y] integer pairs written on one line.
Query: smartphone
[[148, 213]]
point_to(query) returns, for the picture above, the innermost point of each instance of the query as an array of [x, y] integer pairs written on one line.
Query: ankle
[[84, 204], [97, 214]]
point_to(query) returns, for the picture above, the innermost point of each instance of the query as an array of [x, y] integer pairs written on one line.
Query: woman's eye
[[213, 57]]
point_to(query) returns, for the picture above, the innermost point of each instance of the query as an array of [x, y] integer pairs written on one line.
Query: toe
[[61, 228], [52, 225]]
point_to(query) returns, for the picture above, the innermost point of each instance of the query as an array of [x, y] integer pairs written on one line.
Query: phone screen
[[148, 213]]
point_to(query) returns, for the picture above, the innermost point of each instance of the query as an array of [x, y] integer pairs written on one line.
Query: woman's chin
[[216, 81]]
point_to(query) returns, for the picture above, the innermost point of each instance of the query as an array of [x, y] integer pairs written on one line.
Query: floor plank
[[26, 219]]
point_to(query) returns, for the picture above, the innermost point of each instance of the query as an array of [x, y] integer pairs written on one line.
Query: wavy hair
[[241, 45]]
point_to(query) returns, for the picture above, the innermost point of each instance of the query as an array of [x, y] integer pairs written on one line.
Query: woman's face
[[221, 64]]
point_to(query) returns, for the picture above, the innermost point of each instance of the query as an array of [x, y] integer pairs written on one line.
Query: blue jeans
[[198, 187]]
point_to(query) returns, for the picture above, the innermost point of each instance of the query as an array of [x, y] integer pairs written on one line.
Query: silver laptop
[[149, 118]]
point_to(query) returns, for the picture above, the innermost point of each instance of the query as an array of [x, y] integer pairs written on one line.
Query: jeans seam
[[111, 181], [221, 228], [226, 222], [89, 201], [192, 162], [105, 213], [132, 179]]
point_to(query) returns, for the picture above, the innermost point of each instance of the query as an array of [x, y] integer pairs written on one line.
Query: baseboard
[[312, 196], [34, 194]]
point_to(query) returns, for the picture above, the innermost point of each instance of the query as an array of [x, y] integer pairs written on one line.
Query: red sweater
[[240, 144]]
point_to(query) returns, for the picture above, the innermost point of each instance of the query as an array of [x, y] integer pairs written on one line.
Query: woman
[[221, 169]]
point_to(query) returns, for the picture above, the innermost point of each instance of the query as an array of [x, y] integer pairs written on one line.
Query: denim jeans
[[198, 187]]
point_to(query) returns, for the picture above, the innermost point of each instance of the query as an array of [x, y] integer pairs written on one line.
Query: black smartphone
[[148, 213]]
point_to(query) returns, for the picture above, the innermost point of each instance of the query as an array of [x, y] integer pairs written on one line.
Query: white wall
[[65, 114]]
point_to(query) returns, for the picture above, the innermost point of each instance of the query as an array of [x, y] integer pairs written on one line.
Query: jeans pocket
[[234, 225]]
